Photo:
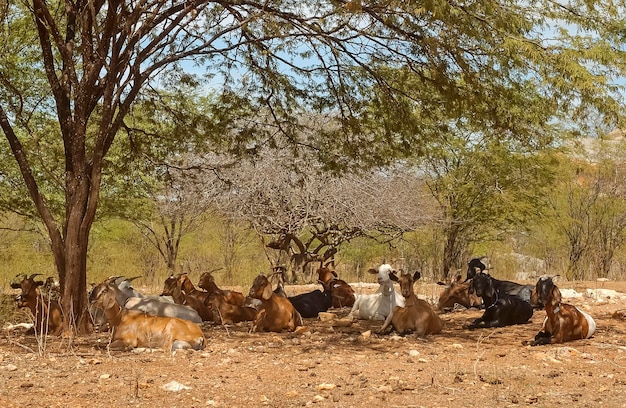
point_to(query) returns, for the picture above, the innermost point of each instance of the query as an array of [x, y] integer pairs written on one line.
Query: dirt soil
[[330, 366]]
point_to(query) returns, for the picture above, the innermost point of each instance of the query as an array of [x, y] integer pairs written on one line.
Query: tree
[[305, 216], [483, 187], [589, 207], [282, 58]]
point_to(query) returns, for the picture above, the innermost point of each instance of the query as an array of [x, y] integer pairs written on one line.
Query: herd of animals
[[173, 319]]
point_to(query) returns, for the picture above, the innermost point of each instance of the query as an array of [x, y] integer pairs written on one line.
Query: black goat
[[476, 267], [311, 303], [500, 309]]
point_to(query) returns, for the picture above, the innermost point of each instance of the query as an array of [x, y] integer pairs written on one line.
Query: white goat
[[379, 305]]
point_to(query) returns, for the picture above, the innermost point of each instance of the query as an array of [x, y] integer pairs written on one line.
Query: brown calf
[[416, 316]]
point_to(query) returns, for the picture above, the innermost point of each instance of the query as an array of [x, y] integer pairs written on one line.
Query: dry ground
[[330, 366]]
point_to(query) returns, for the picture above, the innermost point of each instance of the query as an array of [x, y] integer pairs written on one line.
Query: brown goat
[[227, 313], [190, 290], [563, 322], [275, 313], [342, 293], [131, 328], [47, 312], [207, 282], [457, 292], [416, 316], [173, 288]]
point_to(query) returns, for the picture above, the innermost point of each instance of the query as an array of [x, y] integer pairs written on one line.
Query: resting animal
[[342, 292], [416, 316], [47, 312], [207, 282], [500, 309], [563, 322], [457, 292], [173, 287], [275, 313], [312, 303], [132, 328], [379, 305]]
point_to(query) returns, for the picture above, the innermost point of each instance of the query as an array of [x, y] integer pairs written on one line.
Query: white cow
[[378, 305]]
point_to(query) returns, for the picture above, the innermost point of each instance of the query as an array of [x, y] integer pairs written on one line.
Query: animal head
[[546, 291], [29, 287], [474, 266], [406, 282], [102, 296], [261, 288], [326, 274], [482, 285], [456, 291], [170, 286], [383, 272]]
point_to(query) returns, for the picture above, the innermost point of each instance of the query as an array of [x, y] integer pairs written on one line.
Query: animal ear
[[393, 276], [334, 273], [267, 291], [16, 286], [556, 295], [556, 278], [441, 283], [372, 271], [416, 276]]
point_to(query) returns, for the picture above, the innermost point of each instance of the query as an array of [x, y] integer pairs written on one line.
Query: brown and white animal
[[416, 316], [207, 282], [342, 292], [563, 322], [378, 306], [457, 292], [47, 312], [275, 313], [173, 287], [132, 328]]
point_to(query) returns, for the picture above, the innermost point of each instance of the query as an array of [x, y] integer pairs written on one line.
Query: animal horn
[[32, 276]]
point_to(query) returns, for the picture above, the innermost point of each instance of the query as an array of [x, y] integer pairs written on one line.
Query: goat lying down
[[275, 313], [132, 328], [378, 306], [563, 322], [457, 292], [416, 316], [47, 312], [500, 309]]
